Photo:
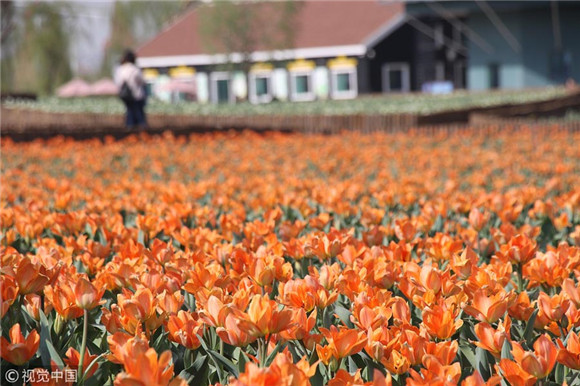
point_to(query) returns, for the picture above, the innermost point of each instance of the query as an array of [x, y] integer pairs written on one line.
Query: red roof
[[318, 24]]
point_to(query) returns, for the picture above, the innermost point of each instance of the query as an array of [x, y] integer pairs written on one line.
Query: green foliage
[[39, 59], [388, 104]]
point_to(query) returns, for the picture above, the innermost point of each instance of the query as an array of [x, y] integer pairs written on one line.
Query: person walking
[[129, 79]]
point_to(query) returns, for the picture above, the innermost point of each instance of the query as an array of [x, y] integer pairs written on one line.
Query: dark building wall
[[422, 53], [397, 47], [538, 62]]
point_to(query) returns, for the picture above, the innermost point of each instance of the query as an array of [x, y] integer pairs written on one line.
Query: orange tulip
[[492, 339], [572, 291], [282, 371], [31, 277], [488, 308], [341, 343], [32, 302], [62, 297], [465, 263], [519, 250], [170, 303], [72, 358], [477, 219], [264, 314], [19, 350], [87, 296], [215, 312], [183, 328], [9, 292], [440, 322], [303, 325], [435, 373], [344, 378], [148, 369], [522, 308], [553, 308], [137, 308], [569, 356], [514, 374], [539, 363]]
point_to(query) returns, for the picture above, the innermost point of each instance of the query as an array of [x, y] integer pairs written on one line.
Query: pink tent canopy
[[74, 88], [175, 85], [104, 87]]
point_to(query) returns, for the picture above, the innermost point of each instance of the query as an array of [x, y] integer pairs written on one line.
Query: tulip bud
[[333, 364], [378, 351], [58, 324]]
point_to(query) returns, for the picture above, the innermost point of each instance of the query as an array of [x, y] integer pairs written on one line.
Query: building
[[340, 49], [512, 44]]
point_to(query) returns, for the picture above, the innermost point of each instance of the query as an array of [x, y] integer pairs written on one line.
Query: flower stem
[[83, 346], [520, 278]]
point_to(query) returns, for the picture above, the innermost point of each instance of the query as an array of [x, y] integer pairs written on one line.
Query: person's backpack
[[125, 93]]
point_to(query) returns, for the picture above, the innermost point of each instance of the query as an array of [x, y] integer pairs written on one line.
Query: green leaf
[[352, 367], [274, 352], [100, 237], [344, 315], [506, 350], [482, 363], [317, 379], [529, 331], [47, 351], [467, 352], [559, 373], [225, 362], [197, 373]]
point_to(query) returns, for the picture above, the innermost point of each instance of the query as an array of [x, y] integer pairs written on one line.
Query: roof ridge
[[170, 25]]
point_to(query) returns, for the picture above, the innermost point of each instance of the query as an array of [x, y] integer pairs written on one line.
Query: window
[[301, 86], [260, 87], [493, 69], [343, 83], [396, 77], [220, 88]]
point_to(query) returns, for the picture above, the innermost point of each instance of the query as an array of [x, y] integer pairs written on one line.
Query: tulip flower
[[19, 350], [553, 307], [569, 356], [8, 291], [72, 359], [492, 339], [440, 322], [31, 278], [184, 329], [264, 314], [540, 362], [144, 367], [87, 296], [341, 343], [488, 308], [515, 374]]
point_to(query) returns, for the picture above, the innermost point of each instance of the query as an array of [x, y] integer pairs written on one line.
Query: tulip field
[[290, 259]]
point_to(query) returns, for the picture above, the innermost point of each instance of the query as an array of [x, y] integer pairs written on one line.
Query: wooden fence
[[23, 124]]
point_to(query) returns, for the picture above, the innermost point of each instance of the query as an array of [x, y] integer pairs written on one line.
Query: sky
[[93, 19]]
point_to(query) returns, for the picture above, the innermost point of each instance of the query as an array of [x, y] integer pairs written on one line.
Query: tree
[[8, 24], [133, 22], [6, 46], [238, 29], [38, 59]]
